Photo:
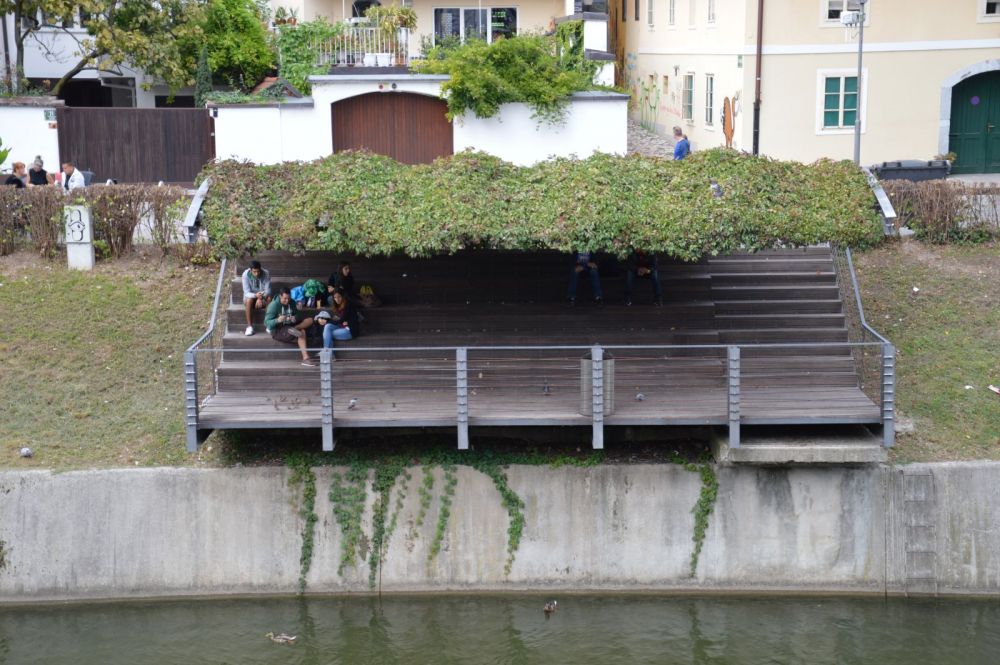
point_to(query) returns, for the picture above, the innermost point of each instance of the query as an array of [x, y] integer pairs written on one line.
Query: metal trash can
[[913, 169], [587, 395]]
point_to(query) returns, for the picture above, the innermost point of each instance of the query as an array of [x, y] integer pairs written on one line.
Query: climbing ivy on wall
[[372, 205], [705, 505]]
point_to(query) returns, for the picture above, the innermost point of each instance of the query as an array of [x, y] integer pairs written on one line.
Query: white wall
[[595, 122], [591, 125], [25, 130]]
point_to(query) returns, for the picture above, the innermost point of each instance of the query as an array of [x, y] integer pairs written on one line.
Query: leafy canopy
[[372, 205], [238, 43], [526, 68], [298, 50]]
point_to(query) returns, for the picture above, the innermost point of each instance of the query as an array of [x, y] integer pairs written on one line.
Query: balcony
[[362, 46]]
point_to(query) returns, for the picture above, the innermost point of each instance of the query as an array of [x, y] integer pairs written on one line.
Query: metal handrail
[[215, 309], [857, 299]]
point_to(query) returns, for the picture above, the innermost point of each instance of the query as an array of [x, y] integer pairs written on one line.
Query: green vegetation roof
[[371, 205]]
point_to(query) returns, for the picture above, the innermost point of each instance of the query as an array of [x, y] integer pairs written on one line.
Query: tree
[[145, 34], [203, 79], [239, 47]]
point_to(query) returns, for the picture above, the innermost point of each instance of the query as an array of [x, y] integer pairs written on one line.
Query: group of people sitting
[[641, 265], [337, 319], [68, 179]]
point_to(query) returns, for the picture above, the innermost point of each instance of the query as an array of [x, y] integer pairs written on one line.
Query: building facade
[[930, 82]]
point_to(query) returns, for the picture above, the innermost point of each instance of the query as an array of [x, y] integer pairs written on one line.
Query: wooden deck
[[782, 308]]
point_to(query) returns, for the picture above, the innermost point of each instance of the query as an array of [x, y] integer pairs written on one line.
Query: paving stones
[[644, 142]]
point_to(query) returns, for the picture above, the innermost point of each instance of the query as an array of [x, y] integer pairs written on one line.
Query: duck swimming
[[281, 638], [550, 607]]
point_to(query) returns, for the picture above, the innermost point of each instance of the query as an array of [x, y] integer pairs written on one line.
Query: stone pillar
[[79, 237]]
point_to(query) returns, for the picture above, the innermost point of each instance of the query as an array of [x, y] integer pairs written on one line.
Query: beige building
[[930, 82]]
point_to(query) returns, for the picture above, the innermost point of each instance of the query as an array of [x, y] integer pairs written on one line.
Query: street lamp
[[852, 19]]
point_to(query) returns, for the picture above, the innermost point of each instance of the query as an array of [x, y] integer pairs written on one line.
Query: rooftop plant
[[299, 50], [373, 205], [526, 68]]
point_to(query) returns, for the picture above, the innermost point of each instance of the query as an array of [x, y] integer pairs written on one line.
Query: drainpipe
[[756, 95], [6, 47]]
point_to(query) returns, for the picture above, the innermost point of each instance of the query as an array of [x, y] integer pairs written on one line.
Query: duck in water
[[550, 608], [281, 638]]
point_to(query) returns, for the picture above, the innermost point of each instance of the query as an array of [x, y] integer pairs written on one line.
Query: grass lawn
[[91, 363], [940, 305]]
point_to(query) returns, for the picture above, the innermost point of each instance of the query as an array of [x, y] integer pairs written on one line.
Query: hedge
[[372, 205]]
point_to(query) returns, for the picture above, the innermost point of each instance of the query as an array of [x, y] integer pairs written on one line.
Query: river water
[[508, 629]]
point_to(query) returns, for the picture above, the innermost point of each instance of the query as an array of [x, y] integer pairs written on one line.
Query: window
[[711, 11], [687, 98], [692, 11], [649, 13], [840, 101], [834, 8], [636, 10], [672, 12], [474, 23], [709, 98], [992, 8]]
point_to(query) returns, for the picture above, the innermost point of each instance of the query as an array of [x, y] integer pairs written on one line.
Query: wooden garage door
[[409, 128]]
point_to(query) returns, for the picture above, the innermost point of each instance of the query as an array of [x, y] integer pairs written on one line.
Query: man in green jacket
[[283, 321]]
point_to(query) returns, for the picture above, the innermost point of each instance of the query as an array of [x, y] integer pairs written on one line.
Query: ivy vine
[[347, 496], [705, 505], [302, 475], [444, 509]]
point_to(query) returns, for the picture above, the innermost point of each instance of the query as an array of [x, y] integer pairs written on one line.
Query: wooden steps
[[764, 302]]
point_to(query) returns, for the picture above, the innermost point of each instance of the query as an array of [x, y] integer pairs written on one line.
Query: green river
[[508, 629]]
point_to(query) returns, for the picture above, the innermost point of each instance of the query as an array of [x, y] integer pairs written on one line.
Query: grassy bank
[[940, 305], [91, 363]]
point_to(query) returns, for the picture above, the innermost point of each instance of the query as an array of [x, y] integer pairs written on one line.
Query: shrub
[[944, 211], [298, 50], [371, 204], [165, 206], [42, 216], [526, 68], [12, 231], [115, 211]]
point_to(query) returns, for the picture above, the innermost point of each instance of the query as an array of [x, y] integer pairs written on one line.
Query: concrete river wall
[[931, 528]]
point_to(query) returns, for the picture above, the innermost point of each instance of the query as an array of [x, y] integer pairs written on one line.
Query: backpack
[[368, 298]]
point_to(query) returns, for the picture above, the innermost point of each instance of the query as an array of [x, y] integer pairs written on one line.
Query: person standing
[[256, 292], [72, 178], [682, 147], [17, 177], [36, 174]]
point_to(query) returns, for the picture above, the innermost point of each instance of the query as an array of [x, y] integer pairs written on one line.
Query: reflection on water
[[509, 629]]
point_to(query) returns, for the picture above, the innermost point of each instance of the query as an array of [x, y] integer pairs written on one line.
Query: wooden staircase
[[477, 299]]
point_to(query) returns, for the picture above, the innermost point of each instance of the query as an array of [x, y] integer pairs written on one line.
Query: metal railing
[[861, 331], [365, 46], [463, 386], [191, 366]]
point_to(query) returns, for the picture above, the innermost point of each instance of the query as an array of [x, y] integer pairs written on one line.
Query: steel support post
[[888, 395], [733, 357], [326, 399], [597, 387], [462, 396], [191, 400]]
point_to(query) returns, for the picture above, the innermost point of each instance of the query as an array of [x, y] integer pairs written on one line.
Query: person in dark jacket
[[36, 174], [286, 325], [17, 177], [342, 280], [642, 265]]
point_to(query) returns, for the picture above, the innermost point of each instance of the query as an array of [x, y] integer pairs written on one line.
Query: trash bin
[[586, 393], [913, 169]]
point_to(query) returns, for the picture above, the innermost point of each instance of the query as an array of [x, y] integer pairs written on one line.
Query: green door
[[975, 124]]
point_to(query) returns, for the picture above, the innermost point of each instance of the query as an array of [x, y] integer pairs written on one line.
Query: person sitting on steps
[[643, 265], [256, 291], [343, 280], [283, 321], [585, 263], [342, 321]]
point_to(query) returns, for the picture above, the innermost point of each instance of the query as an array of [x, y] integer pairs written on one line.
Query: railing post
[[462, 395], [326, 399], [191, 401], [733, 356], [888, 395], [597, 388]]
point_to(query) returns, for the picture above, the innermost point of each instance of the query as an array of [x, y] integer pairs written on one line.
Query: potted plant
[[391, 21], [293, 16], [280, 16]]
